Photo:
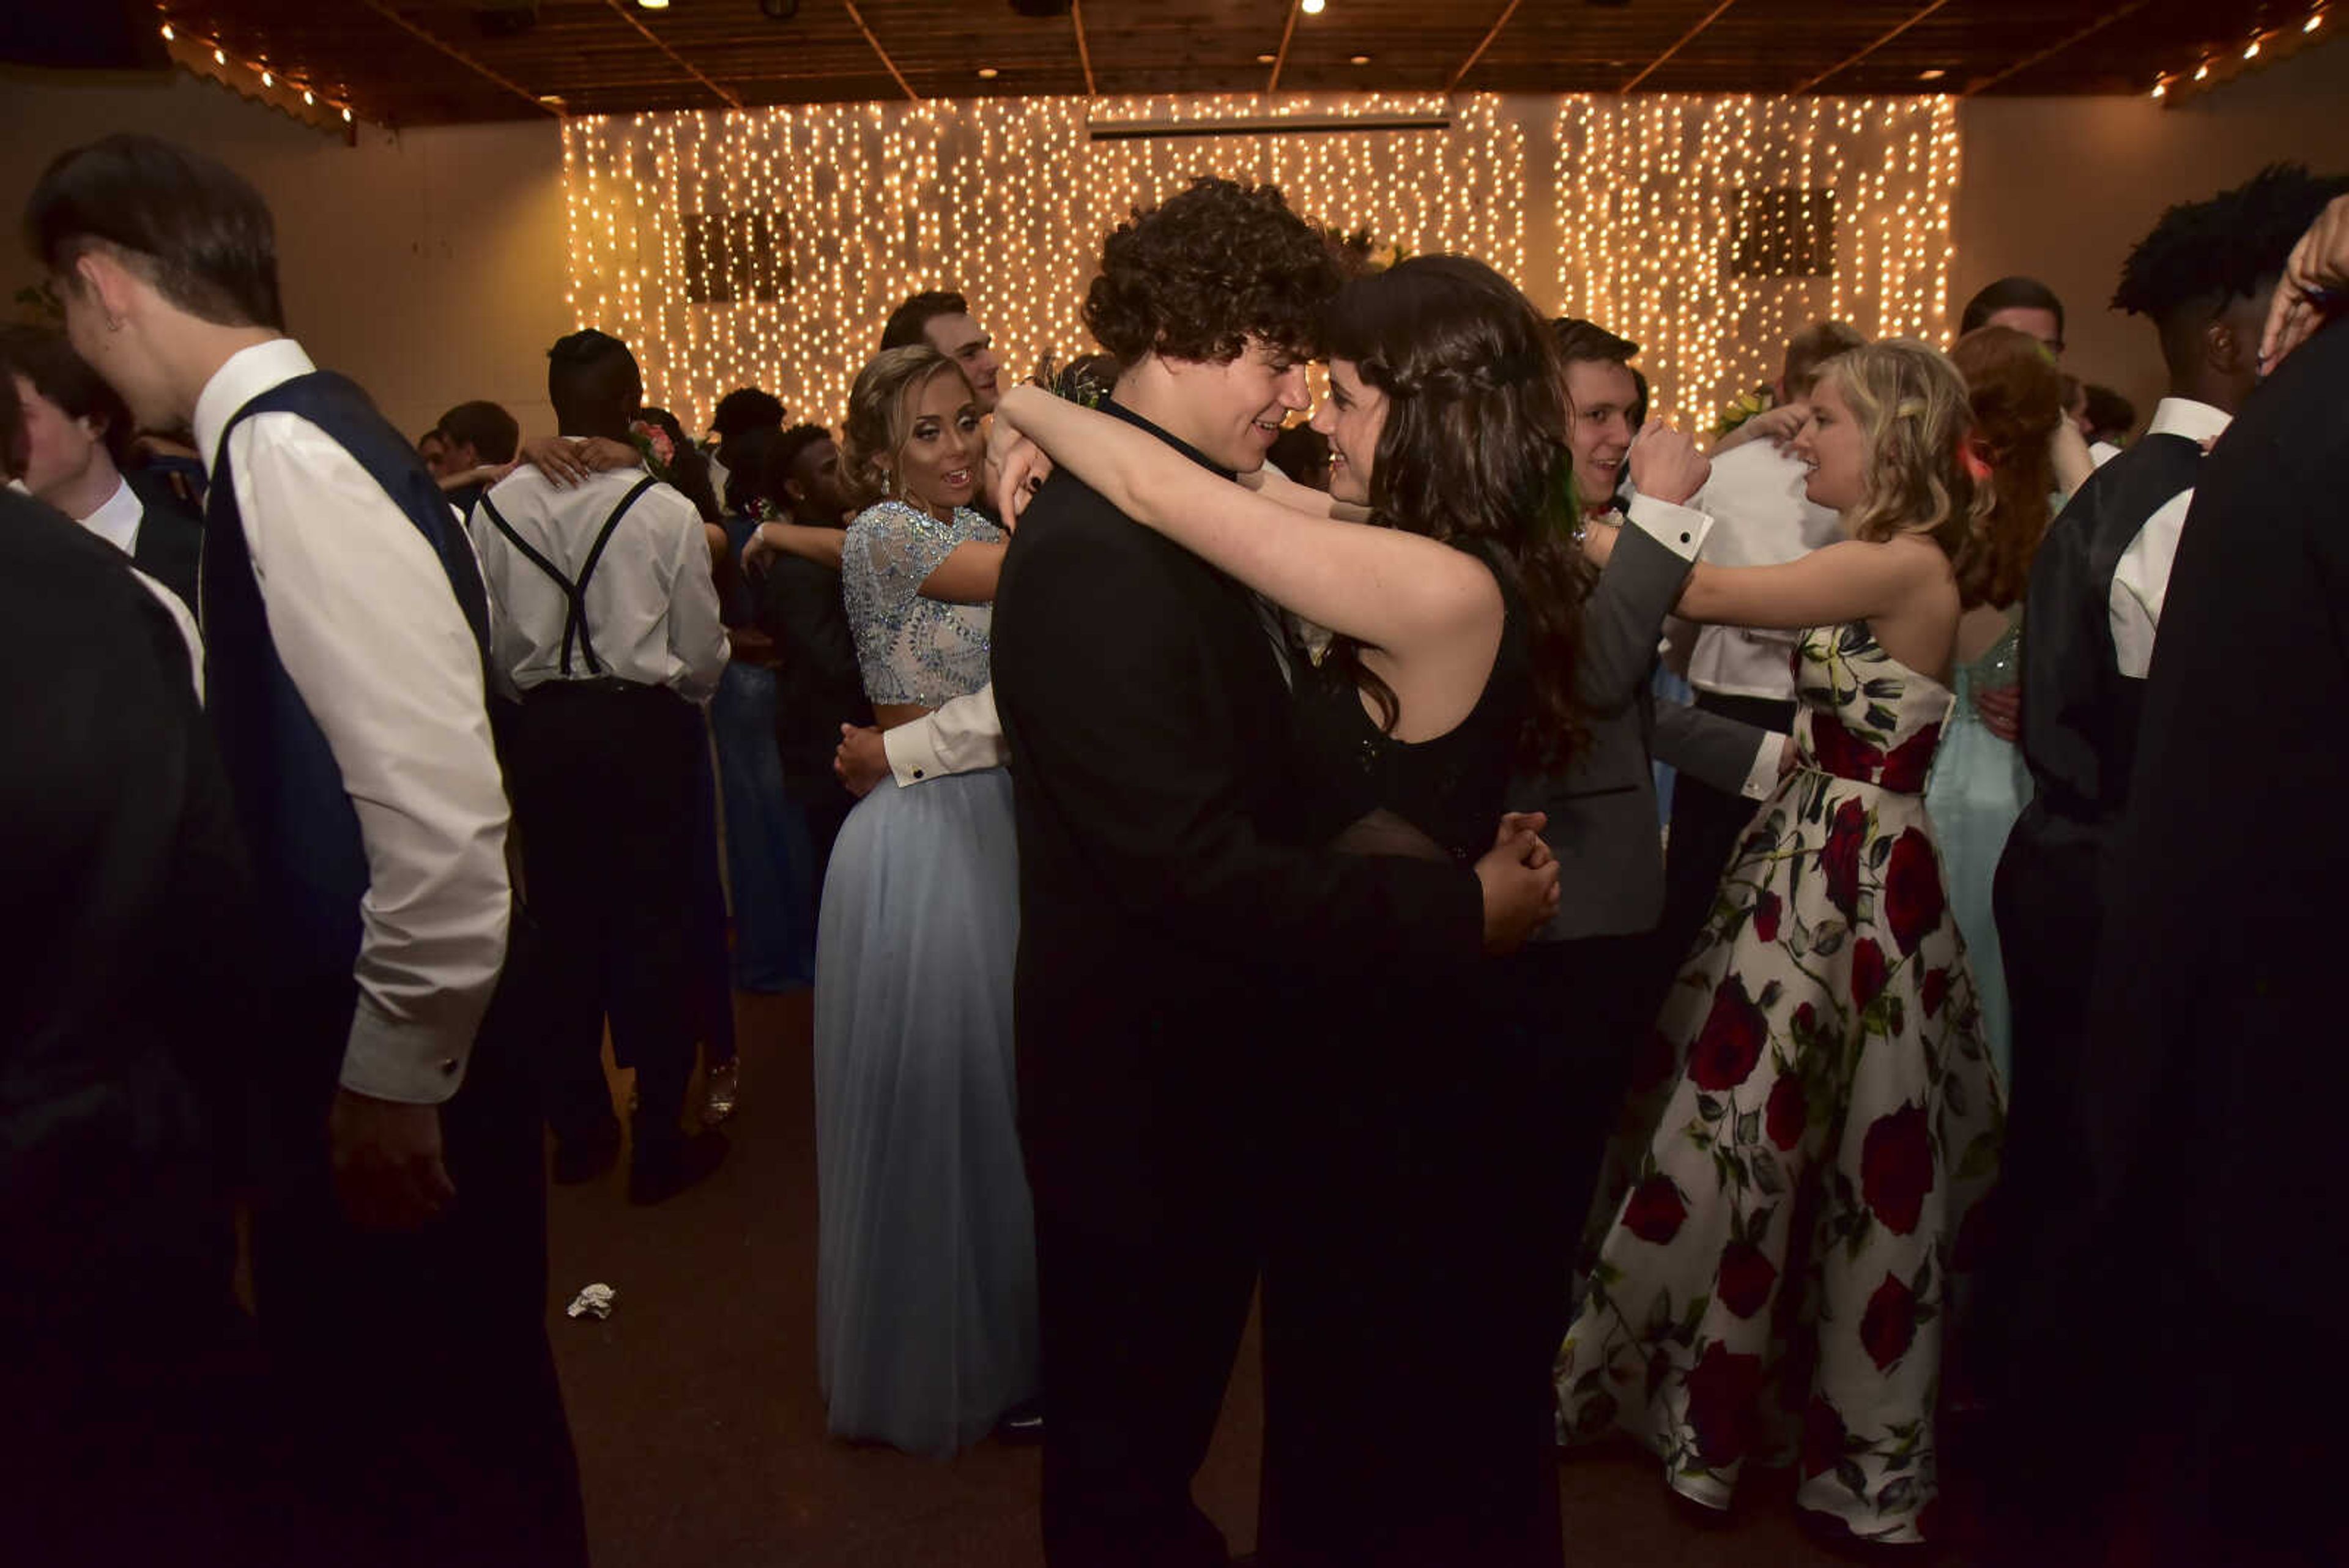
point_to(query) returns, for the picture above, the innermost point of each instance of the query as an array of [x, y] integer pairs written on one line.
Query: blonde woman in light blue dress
[[926, 1264]]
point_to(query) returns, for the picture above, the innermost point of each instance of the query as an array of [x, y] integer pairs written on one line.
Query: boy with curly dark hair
[[1175, 927]]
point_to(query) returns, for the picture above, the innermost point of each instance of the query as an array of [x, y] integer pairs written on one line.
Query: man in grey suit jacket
[[1588, 982]]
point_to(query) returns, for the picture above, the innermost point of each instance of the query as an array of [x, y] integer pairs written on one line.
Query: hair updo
[[880, 416], [2017, 396]]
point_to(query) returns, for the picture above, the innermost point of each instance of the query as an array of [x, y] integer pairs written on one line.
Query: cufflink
[[918, 773], [448, 1066], [1684, 537]]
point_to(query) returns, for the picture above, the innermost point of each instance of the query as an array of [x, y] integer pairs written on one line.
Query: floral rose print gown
[[1771, 1274]]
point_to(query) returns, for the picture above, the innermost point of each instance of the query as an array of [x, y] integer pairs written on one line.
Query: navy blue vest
[[310, 865]]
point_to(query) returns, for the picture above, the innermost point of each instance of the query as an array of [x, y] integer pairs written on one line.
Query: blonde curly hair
[[880, 416], [1911, 405]]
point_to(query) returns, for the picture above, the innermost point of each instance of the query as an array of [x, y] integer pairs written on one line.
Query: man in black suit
[[1173, 922], [75, 432], [130, 1374], [2203, 277], [2215, 1025], [818, 687]]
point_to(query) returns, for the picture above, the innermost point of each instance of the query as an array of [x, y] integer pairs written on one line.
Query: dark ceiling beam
[[1084, 53], [463, 58], [1842, 66], [1483, 44], [1683, 42], [627, 13], [1281, 56], [899, 77], [2049, 53]]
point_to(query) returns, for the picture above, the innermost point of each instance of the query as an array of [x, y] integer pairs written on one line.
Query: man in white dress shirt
[[399, 1242], [75, 431], [1757, 494], [607, 633]]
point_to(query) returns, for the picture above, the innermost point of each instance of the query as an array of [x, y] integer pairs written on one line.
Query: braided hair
[[1471, 453]]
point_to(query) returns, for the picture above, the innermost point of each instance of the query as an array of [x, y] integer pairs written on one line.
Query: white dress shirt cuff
[[1763, 777], [913, 751], [962, 737], [413, 1064], [1680, 529]]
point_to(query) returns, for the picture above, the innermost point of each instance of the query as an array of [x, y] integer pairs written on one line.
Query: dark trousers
[[604, 776], [2045, 1345], [1589, 1003], [1418, 1252], [418, 1419], [132, 1386], [1139, 1326], [1706, 822]]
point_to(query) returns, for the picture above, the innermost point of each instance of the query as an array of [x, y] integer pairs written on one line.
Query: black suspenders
[[575, 594]]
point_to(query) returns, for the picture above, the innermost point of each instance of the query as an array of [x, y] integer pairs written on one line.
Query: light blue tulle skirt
[[927, 1255], [1974, 795]]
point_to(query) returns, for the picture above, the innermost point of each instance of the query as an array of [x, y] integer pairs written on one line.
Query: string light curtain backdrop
[[766, 247]]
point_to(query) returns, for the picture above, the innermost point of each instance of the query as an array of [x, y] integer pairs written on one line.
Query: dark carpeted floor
[[700, 1428]]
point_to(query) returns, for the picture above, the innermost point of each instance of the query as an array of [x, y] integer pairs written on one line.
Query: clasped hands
[[1518, 877]]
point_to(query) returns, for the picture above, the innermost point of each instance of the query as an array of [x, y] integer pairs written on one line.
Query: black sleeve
[[799, 607], [2067, 700], [1120, 725]]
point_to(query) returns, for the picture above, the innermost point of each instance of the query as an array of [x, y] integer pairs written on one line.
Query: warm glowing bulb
[[2201, 73], [168, 34], [219, 58], [347, 117], [267, 79], [652, 5], [2308, 27], [987, 73], [306, 97], [1311, 8], [2253, 52], [2160, 89]]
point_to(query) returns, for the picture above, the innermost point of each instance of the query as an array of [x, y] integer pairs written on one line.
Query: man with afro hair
[[2203, 277]]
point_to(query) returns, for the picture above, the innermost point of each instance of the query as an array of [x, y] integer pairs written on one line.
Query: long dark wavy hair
[[1471, 453]]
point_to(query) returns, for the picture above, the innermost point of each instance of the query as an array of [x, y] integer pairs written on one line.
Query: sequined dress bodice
[[909, 648], [1865, 715]]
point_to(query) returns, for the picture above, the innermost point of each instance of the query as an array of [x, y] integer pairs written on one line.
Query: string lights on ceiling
[[255, 78], [826, 215], [2268, 44]]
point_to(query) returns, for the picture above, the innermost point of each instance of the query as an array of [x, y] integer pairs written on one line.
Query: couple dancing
[[1254, 1029]]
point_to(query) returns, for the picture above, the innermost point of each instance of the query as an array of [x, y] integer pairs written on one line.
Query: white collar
[[242, 377], [2197, 421], [117, 519]]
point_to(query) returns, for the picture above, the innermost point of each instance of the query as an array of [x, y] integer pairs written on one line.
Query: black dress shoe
[[660, 1173], [583, 1159]]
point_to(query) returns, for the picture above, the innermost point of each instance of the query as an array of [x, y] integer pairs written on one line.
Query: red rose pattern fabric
[[1769, 1265]]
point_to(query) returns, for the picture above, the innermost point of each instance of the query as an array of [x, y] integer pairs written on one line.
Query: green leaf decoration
[[1710, 1107], [1749, 1127]]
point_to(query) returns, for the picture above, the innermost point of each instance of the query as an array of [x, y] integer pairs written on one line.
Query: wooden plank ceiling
[[425, 62]]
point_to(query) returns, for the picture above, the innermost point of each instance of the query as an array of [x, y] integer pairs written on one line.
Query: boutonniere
[[659, 452], [1757, 401]]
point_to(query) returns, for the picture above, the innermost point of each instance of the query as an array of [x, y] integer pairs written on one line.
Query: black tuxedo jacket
[[1171, 920], [123, 1006], [2217, 1017], [171, 537]]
